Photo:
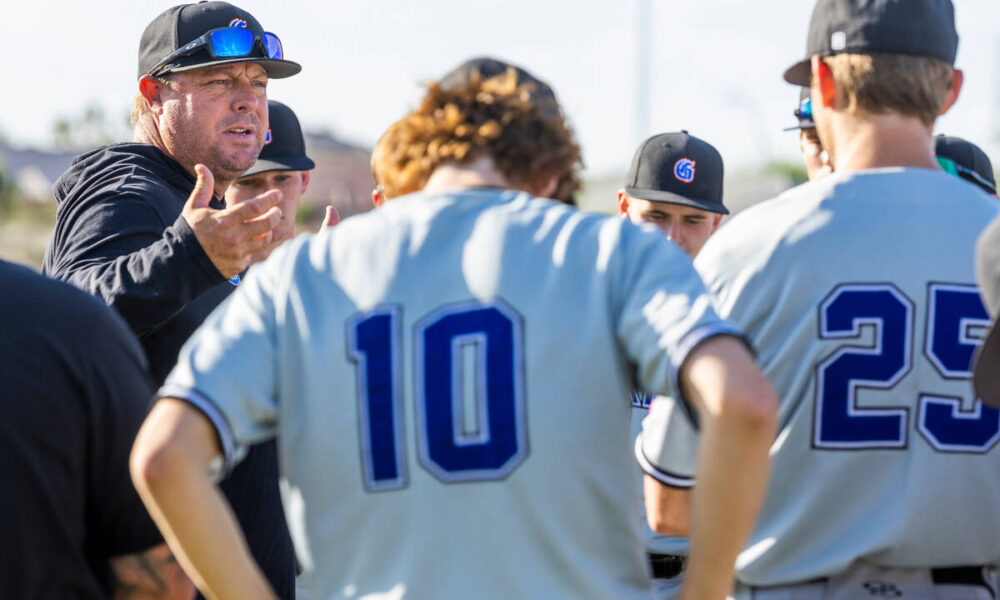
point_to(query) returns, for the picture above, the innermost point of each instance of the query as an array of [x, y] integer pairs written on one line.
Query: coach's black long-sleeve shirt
[[119, 235]]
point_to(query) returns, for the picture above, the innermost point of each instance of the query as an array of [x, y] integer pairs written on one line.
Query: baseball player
[[816, 159], [987, 365], [282, 165], [540, 92], [76, 390], [412, 363], [861, 306], [674, 183], [964, 159]]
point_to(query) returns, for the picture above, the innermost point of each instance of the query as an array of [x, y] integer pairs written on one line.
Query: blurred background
[[623, 70]]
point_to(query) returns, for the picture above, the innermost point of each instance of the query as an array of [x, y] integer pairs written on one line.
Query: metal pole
[[642, 61]]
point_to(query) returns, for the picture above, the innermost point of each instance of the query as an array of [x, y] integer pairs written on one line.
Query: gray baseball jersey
[[441, 376], [858, 293]]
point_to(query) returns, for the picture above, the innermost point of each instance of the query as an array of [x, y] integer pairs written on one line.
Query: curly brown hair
[[495, 118]]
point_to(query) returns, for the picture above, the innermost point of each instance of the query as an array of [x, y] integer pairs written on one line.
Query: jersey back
[[858, 292], [447, 378]]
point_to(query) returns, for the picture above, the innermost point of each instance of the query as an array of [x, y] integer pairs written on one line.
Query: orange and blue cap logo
[[684, 170], [267, 138], [238, 22]]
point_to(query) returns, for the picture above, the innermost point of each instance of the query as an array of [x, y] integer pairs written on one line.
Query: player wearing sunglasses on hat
[[144, 227], [816, 159], [965, 160]]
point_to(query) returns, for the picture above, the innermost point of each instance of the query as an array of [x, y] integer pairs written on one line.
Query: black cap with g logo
[[677, 168]]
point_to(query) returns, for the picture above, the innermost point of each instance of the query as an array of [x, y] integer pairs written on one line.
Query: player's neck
[[476, 174], [878, 141]]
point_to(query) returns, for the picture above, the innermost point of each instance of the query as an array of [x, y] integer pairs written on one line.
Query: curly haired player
[[447, 378]]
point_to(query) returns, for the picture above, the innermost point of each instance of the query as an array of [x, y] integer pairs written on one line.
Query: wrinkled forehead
[[250, 70]]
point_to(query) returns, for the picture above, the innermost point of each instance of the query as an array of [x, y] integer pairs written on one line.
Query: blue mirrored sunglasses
[[226, 42], [805, 110]]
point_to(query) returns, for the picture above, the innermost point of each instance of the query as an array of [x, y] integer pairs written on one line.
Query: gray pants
[[867, 582]]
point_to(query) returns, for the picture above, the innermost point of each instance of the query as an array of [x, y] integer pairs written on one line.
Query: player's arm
[[151, 575], [668, 509], [171, 466], [736, 407]]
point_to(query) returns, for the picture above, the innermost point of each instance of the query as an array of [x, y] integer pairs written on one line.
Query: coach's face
[[216, 116]]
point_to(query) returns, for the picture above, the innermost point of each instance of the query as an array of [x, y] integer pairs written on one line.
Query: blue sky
[[715, 65]]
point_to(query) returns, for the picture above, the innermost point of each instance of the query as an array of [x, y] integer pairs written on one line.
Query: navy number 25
[[451, 450], [952, 311]]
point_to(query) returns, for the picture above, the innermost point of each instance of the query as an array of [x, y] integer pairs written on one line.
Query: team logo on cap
[[267, 138], [684, 170], [238, 22]]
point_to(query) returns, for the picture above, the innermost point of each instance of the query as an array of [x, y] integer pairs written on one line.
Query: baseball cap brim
[[276, 69], [800, 127], [986, 373], [800, 73], [672, 198], [281, 163]]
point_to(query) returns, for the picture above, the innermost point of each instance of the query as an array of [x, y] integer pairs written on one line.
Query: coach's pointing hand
[[237, 236]]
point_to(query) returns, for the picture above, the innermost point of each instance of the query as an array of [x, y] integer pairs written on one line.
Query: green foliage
[[91, 128], [795, 172]]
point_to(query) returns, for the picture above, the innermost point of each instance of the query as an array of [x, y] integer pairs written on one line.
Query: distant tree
[[795, 172], [91, 128], [7, 195]]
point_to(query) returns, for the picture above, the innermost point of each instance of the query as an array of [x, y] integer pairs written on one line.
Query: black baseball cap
[[487, 67], [284, 146], [803, 112], [972, 163], [913, 27], [986, 372], [184, 23], [677, 168]]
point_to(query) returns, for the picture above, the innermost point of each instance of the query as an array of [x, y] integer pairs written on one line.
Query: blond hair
[[494, 118], [915, 86]]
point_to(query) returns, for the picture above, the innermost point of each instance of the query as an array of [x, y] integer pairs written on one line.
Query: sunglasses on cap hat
[[953, 168], [805, 110], [226, 42]]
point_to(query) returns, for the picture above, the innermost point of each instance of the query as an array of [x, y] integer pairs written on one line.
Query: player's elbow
[[754, 408], [152, 463]]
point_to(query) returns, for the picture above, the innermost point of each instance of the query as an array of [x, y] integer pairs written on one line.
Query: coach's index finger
[[255, 207]]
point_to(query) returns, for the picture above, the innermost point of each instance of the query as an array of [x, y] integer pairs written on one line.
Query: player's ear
[[956, 88], [622, 202], [152, 91], [549, 187], [305, 182], [823, 83]]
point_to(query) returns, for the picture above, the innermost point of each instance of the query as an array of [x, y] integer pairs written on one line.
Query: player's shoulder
[[755, 233], [48, 308], [415, 217]]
